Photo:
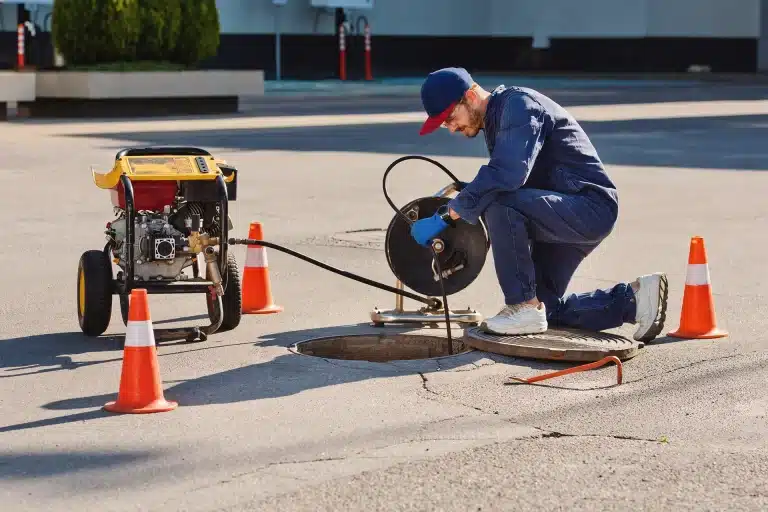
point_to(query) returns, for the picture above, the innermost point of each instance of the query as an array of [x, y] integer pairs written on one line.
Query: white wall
[[8, 21], [523, 18], [705, 18], [7, 17]]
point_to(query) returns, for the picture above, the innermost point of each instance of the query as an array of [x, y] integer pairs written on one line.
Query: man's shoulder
[[529, 98], [514, 105]]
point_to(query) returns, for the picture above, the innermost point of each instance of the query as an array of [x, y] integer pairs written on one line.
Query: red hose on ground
[[575, 369]]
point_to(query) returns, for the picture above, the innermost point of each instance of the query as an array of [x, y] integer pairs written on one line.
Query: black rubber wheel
[[232, 300], [94, 292], [125, 303]]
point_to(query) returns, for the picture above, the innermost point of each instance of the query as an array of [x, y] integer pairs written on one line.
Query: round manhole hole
[[381, 347]]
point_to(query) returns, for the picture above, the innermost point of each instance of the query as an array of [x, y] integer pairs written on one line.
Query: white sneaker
[[651, 298], [518, 319]]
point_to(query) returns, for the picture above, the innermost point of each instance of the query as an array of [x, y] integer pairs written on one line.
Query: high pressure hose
[[431, 302], [434, 303]]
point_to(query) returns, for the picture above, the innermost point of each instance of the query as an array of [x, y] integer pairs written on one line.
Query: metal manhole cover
[[555, 344]]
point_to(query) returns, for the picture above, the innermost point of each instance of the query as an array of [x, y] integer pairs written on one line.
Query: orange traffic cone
[[257, 291], [140, 384], [697, 318]]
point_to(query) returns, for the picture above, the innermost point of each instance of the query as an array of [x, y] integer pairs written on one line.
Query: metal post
[[342, 54], [762, 41], [20, 46], [368, 71], [278, 43]]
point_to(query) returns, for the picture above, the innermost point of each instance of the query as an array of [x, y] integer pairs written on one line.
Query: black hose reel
[[461, 251], [454, 261]]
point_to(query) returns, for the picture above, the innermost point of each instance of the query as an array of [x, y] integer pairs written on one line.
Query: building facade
[[413, 36]]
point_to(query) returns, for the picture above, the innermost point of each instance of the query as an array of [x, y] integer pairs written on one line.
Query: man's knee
[[497, 214]]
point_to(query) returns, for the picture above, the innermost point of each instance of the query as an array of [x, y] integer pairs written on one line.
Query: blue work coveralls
[[547, 202]]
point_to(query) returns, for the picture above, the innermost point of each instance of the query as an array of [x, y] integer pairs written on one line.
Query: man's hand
[[424, 230]]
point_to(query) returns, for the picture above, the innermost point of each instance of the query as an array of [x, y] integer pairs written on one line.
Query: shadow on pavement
[[24, 466], [566, 94], [288, 374], [727, 142], [45, 353]]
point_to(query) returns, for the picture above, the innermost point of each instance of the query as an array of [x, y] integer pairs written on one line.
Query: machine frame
[[135, 171]]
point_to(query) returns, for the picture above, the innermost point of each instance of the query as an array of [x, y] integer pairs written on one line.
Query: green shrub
[[160, 22], [199, 33], [95, 31], [92, 33]]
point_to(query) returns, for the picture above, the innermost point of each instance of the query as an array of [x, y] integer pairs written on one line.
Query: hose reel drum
[[461, 251]]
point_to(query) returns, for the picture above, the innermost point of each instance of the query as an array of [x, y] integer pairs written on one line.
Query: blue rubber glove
[[424, 230]]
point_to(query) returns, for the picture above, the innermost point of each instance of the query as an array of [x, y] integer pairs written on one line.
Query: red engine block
[[147, 195]]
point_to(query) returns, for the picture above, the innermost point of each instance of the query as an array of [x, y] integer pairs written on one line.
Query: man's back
[[567, 161]]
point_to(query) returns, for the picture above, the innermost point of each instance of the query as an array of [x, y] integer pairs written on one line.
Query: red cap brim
[[434, 122]]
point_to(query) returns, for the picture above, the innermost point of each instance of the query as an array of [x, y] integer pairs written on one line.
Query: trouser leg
[[538, 240], [595, 310], [517, 219], [510, 245]]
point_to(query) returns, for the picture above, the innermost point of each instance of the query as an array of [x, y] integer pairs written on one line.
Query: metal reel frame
[[472, 238]]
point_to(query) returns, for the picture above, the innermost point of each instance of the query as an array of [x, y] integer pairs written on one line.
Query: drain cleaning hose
[[431, 302], [435, 303]]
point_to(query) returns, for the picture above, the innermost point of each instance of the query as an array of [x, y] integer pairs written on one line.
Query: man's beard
[[475, 123]]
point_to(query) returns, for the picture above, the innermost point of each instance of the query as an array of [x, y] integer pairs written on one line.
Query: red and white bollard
[[342, 53], [20, 46], [368, 71]]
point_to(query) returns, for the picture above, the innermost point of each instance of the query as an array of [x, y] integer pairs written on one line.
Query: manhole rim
[[293, 347]]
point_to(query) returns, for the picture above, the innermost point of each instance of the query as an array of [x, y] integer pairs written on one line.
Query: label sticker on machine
[[161, 165]]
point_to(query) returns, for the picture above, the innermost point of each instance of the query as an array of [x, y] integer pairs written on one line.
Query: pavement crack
[[306, 461], [439, 398], [554, 434], [272, 464], [424, 386]]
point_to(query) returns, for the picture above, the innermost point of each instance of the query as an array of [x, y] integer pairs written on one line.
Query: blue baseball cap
[[440, 93]]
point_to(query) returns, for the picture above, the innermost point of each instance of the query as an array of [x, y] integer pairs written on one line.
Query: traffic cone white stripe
[[256, 257], [697, 274], [139, 334]]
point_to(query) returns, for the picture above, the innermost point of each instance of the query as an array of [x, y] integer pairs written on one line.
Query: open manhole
[[381, 347]]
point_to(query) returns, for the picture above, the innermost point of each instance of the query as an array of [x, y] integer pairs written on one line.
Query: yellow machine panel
[[160, 168]]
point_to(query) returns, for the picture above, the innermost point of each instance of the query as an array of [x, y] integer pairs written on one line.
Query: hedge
[[98, 32]]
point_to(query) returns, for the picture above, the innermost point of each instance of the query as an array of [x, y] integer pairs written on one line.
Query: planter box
[[15, 87], [142, 93]]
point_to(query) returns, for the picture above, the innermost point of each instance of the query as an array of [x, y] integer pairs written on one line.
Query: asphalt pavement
[[261, 428]]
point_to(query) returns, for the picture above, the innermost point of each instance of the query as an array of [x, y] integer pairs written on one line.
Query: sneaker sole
[[661, 314], [484, 327]]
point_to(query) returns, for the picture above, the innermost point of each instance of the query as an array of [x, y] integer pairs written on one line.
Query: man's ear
[[471, 95]]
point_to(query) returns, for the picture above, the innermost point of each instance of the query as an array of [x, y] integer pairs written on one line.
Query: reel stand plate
[[462, 251]]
